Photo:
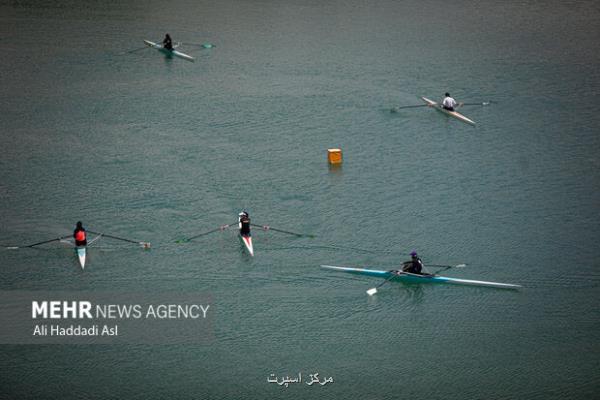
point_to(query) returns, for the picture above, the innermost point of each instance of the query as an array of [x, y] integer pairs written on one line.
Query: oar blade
[[372, 291]]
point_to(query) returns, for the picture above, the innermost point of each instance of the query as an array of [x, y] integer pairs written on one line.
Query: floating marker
[[334, 156]]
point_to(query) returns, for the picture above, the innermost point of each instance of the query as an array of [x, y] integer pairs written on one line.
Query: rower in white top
[[245, 236], [449, 103]]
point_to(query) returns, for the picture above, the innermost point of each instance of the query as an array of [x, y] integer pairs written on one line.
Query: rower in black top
[[167, 42], [244, 221], [414, 266]]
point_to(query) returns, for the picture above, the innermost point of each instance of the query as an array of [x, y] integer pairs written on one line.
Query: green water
[[158, 149]]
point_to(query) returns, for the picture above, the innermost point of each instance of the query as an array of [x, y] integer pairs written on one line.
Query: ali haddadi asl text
[[75, 330]]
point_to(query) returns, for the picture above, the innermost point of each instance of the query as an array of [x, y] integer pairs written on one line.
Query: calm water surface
[[158, 149]]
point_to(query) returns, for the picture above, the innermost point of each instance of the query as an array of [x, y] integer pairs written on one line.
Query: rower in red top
[[80, 235]]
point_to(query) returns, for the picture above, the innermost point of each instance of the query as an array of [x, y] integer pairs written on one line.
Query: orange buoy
[[334, 156]]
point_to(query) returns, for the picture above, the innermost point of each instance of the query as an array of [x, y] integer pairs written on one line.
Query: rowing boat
[[81, 255], [416, 278], [454, 114], [80, 251], [168, 52], [247, 240]]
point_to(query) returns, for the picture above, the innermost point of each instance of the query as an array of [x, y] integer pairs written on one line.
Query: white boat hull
[[168, 52], [247, 240], [454, 114], [81, 255]]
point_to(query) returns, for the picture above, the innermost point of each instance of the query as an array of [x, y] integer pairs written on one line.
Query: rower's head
[[168, 36], [413, 254], [447, 94], [79, 224]]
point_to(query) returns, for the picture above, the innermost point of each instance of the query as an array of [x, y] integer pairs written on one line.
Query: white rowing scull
[[454, 114], [168, 52]]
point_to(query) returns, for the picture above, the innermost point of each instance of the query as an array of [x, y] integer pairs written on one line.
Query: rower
[[414, 266], [167, 42], [244, 223], [448, 103], [79, 235]]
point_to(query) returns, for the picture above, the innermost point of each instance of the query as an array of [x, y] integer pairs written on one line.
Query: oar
[[221, 228], [146, 245], [485, 103], [94, 239], [446, 267], [203, 45], [267, 228], [134, 50], [372, 291], [395, 109], [38, 243]]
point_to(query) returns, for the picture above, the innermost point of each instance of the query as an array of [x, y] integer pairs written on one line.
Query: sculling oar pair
[[483, 103], [223, 227], [145, 245]]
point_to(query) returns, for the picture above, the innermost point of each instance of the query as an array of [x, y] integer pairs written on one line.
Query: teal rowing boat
[[416, 278]]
